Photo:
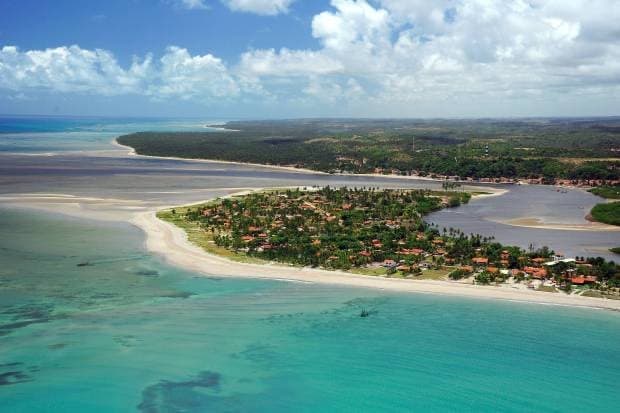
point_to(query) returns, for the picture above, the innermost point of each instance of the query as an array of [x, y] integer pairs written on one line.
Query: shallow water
[[54, 134], [125, 332], [100, 169]]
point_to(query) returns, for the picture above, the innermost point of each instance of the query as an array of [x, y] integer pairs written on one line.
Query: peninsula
[[552, 151], [382, 234]]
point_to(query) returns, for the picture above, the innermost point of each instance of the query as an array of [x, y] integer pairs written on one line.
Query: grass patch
[[440, 274], [547, 289], [607, 213], [374, 271], [599, 294], [609, 192]]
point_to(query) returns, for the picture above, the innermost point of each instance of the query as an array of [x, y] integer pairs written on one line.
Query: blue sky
[[303, 58], [137, 27]]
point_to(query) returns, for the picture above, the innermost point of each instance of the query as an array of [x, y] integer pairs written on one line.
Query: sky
[[310, 58]]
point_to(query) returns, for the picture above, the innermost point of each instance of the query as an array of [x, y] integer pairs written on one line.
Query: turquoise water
[[48, 134], [126, 332]]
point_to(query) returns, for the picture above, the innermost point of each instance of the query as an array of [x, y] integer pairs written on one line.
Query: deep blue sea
[[91, 322]]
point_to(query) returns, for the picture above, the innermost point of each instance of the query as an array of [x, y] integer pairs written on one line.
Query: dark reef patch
[[14, 375], [177, 294], [257, 353], [127, 340], [180, 396], [147, 273]]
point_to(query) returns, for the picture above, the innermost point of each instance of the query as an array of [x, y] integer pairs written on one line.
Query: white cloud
[[69, 69], [388, 56], [72, 69], [192, 4], [264, 7], [192, 77], [287, 63]]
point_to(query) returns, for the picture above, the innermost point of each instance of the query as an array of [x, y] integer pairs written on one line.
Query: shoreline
[[171, 243], [132, 152]]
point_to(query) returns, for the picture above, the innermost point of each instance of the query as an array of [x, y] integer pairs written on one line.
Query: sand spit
[[171, 243]]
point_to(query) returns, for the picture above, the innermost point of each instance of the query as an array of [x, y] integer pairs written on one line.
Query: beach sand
[[171, 243], [533, 222]]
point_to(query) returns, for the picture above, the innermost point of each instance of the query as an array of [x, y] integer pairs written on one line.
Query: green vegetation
[[542, 149], [371, 232], [615, 250], [609, 192], [607, 213], [547, 289]]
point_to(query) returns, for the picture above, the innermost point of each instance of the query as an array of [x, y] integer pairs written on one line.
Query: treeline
[[477, 149]]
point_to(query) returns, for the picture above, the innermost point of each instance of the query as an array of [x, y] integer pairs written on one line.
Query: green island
[[607, 191], [565, 151], [381, 233], [607, 213]]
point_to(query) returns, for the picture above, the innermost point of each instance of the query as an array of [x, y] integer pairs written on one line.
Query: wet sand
[[533, 222]]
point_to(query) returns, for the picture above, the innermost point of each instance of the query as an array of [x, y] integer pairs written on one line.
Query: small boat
[[84, 264], [364, 313]]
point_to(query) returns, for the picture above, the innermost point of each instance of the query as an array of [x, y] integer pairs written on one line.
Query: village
[[382, 233]]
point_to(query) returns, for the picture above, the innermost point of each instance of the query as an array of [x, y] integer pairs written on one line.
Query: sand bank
[[171, 243], [533, 222]]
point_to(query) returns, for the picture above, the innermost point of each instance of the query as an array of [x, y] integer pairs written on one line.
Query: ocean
[[89, 321], [55, 134]]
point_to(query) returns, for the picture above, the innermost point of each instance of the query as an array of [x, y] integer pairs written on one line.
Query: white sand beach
[[171, 243]]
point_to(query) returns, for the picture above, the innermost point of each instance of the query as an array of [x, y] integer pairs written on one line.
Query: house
[[480, 261], [389, 264], [535, 272]]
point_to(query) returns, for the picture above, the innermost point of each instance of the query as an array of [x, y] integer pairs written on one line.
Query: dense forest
[[547, 149]]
